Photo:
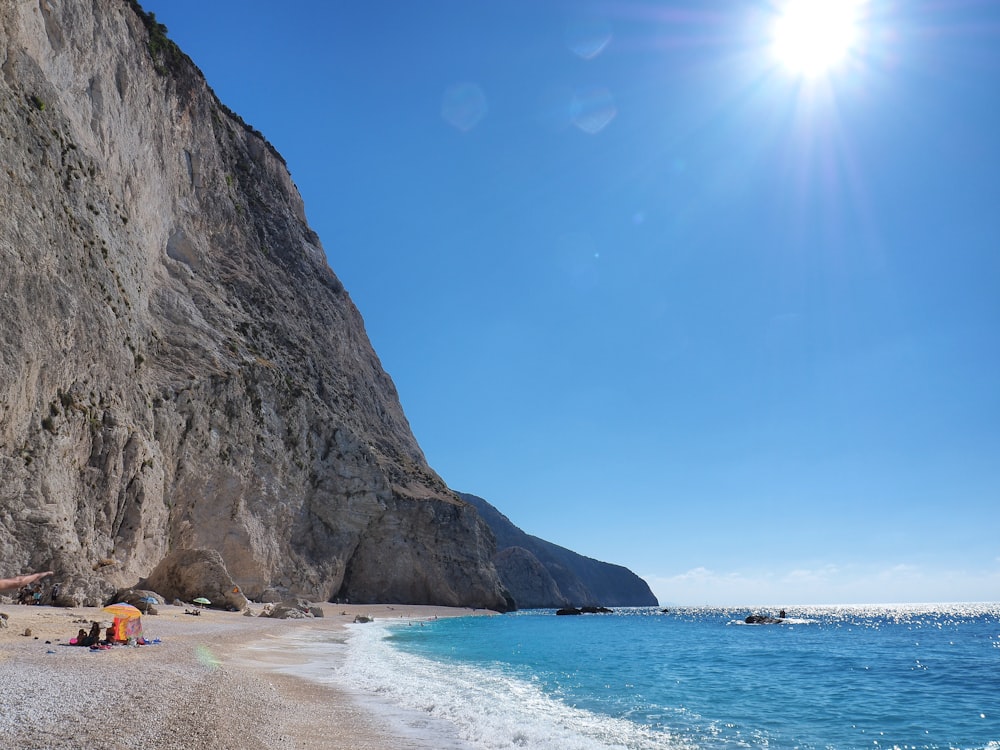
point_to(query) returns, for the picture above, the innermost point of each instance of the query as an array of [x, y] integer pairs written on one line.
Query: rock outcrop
[[295, 609], [528, 581], [189, 574], [180, 368], [538, 573], [143, 600]]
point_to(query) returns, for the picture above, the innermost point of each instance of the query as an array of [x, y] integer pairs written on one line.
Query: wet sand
[[217, 680]]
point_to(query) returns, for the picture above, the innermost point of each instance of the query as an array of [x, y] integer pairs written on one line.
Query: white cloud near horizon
[[825, 584]]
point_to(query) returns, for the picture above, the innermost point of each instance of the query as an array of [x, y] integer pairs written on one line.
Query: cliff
[[538, 573], [180, 368]]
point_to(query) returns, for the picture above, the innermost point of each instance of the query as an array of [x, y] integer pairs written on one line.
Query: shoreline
[[220, 680]]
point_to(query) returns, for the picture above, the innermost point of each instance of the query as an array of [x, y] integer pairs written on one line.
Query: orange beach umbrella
[[123, 610], [128, 621]]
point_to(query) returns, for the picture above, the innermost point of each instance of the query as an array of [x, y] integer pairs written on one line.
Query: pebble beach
[[217, 680]]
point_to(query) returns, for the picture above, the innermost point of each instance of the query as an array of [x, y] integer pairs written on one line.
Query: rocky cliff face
[[179, 367], [538, 573]]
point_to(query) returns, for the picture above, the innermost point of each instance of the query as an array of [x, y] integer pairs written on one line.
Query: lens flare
[[588, 38], [593, 109], [464, 105]]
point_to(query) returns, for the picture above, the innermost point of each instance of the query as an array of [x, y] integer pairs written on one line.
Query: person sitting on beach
[[109, 635], [81, 636], [95, 635]]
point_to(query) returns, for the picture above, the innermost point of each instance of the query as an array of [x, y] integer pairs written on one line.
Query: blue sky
[[657, 296]]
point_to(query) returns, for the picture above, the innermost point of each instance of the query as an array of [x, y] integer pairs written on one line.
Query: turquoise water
[[828, 677]]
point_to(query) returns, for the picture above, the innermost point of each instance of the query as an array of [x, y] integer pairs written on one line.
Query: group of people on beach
[[34, 594], [93, 638], [29, 592], [111, 637], [30, 589]]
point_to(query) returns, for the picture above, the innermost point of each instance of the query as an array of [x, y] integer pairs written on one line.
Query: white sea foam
[[459, 706]]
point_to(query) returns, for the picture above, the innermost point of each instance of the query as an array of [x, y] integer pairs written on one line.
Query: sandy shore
[[218, 680]]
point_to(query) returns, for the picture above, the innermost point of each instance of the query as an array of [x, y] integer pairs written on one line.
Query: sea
[[833, 677]]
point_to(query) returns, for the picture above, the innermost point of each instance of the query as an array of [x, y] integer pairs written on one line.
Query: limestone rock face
[[527, 580], [538, 573], [180, 368]]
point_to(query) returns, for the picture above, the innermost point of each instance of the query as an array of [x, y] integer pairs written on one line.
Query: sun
[[812, 37]]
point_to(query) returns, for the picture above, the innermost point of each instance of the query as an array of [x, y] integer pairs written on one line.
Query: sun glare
[[811, 37]]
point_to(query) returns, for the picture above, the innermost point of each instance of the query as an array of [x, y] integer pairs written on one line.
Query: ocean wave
[[485, 707]]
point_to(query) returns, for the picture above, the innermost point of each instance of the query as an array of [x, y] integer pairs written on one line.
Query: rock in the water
[[762, 620]]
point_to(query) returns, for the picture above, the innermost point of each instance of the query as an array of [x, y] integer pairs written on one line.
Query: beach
[[218, 680], [843, 676]]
